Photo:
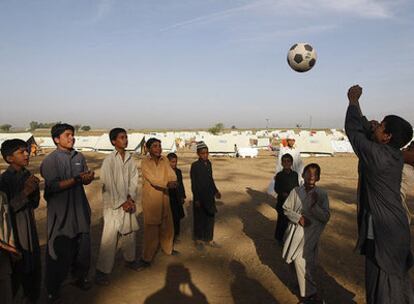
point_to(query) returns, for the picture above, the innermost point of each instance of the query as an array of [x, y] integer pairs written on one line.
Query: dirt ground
[[248, 267]]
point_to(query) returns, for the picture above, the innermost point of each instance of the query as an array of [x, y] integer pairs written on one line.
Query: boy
[[157, 178], [119, 176], [22, 190], [177, 196], [7, 249], [285, 181], [383, 228], [68, 213], [295, 153], [307, 208], [204, 194]]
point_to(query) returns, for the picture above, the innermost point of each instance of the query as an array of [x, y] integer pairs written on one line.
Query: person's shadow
[[243, 287], [178, 289]]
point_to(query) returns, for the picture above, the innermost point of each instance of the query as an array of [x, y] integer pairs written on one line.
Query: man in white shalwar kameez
[[297, 159], [307, 208], [119, 176]]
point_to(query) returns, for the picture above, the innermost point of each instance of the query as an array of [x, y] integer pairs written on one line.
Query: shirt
[[68, 211], [155, 198], [119, 179], [380, 168], [297, 165]]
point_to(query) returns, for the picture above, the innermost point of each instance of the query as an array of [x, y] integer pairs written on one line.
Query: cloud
[[103, 9], [359, 8]]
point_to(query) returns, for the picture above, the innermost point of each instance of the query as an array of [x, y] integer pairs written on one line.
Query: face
[[286, 163], [203, 154], [173, 163], [310, 177], [291, 142], [379, 134], [66, 140], [19, 158], [121, 141], [155, 149]]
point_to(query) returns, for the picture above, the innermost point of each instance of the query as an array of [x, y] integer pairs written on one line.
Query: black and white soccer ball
[[301, 57]]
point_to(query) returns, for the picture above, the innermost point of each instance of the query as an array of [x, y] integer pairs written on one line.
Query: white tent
[[341, 146], [136, 142], [103, 144], [86, 143], [45, 142], [316, 145], [26, 136]]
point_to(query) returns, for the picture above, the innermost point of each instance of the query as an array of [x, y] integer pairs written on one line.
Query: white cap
[[291, 136]]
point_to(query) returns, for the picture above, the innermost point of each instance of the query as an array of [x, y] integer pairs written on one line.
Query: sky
[[192, 63]]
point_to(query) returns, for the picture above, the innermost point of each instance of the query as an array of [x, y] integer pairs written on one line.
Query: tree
[[77, 127], [218, 127], [5, 127], [33, 125], [233, 127], [86, 128]]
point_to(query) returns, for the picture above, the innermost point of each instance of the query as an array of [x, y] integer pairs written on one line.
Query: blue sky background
[[190, 64]]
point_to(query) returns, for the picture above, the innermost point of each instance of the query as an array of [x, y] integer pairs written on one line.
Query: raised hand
[[354, 93]]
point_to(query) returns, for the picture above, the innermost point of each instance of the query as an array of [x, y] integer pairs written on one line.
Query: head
[[153, 146], [202, 150], [394, 131], [311, 175], [118, 138], [173, 158], [63, 136], [287, 161], [290, 141], [15, 152]]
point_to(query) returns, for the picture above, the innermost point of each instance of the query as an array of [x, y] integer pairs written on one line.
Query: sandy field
[[248, 267]]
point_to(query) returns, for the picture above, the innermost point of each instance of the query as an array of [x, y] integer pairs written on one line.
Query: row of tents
[[244, 143]]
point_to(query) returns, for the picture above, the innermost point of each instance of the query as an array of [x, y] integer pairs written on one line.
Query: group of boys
[[385, 171], [65, 173]]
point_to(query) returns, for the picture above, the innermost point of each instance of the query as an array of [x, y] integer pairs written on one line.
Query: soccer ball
[[301, 57]]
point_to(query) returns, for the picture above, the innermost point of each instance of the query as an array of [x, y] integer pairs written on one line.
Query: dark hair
[[113, 134], [313, 166], [10, 146], [288, 156], [150, 141], [60, 128], [171, 156], [400, 129]]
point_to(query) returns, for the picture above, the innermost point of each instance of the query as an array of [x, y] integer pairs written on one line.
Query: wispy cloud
[[223, 14], [359, 8], [303, 31], [103, 9]]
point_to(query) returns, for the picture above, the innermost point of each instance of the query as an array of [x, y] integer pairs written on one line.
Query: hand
[[87, 177], [197, 203], [30, 185], [183, 201], [304, 222], [218, 195], [354, 93], [172, 185]]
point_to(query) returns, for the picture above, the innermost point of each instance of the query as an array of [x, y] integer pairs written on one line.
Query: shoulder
[[178, 171], [321, 192], [50, 157]]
